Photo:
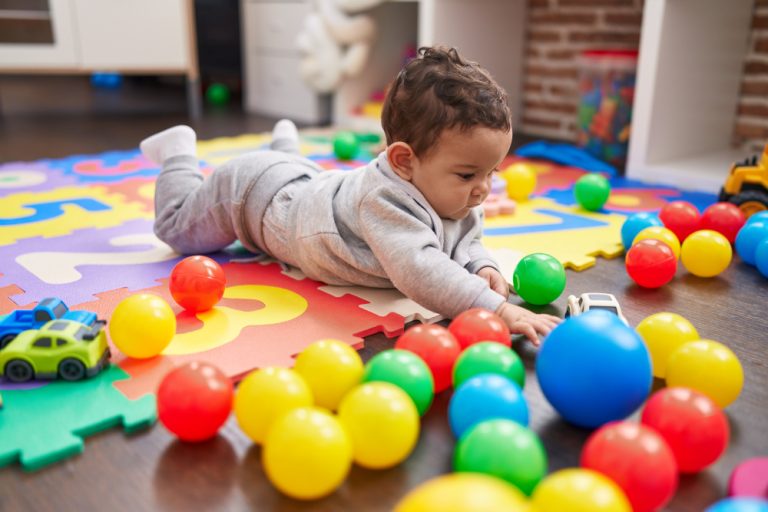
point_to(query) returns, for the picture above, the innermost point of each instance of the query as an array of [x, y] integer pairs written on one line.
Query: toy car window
[[607, 308], [43, 342], [58, 326], [59, 310], [581, 301], [599, 296], [60, 342], [81, 332], [42, 316]]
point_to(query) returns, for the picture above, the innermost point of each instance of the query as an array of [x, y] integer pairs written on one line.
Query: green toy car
[[60, 348]]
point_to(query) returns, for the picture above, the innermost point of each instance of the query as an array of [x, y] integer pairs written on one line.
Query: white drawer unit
[[273, 85]]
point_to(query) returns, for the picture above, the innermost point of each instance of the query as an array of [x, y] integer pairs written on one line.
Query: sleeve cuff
[[489, 300], [473, 266]]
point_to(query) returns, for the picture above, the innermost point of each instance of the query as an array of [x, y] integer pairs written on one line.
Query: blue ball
[[635, 223], [748, 238], [759, 216], [739, 504], [761, 257], [594, 369], [484, 397]]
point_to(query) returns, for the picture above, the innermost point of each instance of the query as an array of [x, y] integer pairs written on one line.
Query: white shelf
[[688, 80]]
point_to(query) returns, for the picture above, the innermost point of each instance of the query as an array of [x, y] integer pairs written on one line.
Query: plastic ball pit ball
[[436, 346], [748, 239], [489, 357], [661, 234], [330, 368], [637, 459], [592, 191], [197, 283], [634, 224], [194, 401], [539, 278], [741, 504], [521, 181], [405, 370], [142, 325], [725, 218], [706, 253], [486, 397], [476, 325], [579, 490], [651, 263], [594, 355], [464, 492], [680, 217], [663, 333], [345, 145], [693, 426]]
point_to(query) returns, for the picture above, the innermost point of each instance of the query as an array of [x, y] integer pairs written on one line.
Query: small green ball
[[217, 94], [405, 370], [488, 357], [504, 449], [345, 145], [592, 191], [539, 279]]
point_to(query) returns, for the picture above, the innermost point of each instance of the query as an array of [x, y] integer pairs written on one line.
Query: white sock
[[178, 140], [285, 137]]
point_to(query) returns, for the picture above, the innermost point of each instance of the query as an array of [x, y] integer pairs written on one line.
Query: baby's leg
[[191, 214], [285, 137]]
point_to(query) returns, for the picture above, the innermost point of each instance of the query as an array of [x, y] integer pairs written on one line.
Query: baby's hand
[[495, 280], [521, 321]]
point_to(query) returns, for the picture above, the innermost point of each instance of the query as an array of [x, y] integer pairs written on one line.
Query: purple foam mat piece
[[16, 177], [77, 266]]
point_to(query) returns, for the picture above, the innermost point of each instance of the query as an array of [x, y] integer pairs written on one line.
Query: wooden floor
[[151, 471]]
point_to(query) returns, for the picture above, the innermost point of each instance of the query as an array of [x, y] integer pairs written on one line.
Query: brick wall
[[558, 30], [751, 130]]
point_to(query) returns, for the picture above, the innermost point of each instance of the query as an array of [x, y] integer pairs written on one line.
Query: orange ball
[[197, 283]]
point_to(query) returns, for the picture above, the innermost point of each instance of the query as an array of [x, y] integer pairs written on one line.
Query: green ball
[[345, 145], [405, 370], [217, 94], [504, 449], [488, 357], [592, 191], [539, 278]]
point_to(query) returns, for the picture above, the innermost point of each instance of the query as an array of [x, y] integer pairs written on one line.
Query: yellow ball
[[579, 490], [382, 422], [142, 325], [709, 367], [521, 181], [706, 253], [662, 234], [331, 368], [307, 453], [663, 333], [464, 492], [265, 395]]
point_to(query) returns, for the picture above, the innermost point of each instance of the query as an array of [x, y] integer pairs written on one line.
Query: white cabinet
[[688, 78], [271, 60], [126, 36]]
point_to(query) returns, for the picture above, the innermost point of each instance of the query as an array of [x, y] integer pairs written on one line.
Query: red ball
[[477, 325], [197, 283], [437, 347], [680, 217], [651, 263], [725, 218], [692, 424], [194, 401], [638, 459]]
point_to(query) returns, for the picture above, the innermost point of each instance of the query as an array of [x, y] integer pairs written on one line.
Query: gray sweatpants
[[197, 215]]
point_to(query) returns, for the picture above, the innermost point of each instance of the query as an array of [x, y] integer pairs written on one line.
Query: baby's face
[[456, 175]]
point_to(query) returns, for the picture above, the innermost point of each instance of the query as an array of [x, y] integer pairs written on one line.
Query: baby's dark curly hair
[[439, 90]]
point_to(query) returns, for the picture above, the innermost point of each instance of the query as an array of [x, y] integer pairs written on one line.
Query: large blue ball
[[740, 504], [635, 223], [484, 397], [761, 257], [594, 369], [759, 216], [748, 238]]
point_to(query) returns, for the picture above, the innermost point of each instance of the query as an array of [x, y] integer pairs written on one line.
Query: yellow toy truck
[[747, 185]]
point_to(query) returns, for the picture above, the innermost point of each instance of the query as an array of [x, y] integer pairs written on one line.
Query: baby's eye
[[466, 177]]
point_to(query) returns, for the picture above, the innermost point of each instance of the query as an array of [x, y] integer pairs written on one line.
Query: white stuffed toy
[[335, 42]]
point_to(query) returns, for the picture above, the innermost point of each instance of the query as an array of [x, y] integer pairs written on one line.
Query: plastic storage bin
[[606, 90]]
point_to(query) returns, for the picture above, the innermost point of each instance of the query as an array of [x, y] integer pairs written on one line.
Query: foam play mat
[[80, 228]]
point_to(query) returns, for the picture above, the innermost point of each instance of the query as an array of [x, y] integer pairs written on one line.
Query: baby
[[410, 219]]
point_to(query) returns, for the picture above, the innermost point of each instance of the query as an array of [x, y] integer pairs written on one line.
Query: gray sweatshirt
[[363, 227]]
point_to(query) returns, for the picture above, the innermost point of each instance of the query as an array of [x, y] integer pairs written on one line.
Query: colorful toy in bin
[[606, 89], [62, 349]]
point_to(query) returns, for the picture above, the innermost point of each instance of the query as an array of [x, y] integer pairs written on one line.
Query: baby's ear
[[402, 159]]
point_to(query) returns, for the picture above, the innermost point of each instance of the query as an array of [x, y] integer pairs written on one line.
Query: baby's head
[[448, 127]]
